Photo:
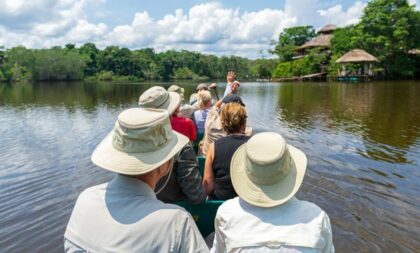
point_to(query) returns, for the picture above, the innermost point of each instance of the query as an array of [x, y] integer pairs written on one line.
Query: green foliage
[[312, 63], [105, 75], [19, 73], [390, 28], [290, 39], [2, 77], [184, 73], [263, 68], [57, 64]]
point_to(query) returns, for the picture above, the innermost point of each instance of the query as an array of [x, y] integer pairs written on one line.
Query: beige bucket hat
[[141, 141], [266, 171], [177, 89], [158, 97]]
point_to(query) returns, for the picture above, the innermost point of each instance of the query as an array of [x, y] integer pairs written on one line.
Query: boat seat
[[203, 214]]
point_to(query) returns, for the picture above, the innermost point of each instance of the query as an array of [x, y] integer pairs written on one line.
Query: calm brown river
[[362, 142]]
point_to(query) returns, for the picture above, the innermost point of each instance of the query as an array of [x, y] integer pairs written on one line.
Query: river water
[[362, 142]]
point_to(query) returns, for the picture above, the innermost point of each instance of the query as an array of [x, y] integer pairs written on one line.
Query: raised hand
[[213, 85], [230, 77]]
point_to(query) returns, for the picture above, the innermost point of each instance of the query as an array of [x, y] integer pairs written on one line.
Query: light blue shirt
[[125, 216], [200, 117]]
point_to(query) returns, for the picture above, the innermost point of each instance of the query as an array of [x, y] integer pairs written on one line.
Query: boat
[[204, 213]]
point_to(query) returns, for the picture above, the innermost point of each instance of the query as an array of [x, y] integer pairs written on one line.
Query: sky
[[229, 27]]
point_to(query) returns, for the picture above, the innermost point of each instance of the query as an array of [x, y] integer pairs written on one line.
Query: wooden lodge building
[[323, 41]]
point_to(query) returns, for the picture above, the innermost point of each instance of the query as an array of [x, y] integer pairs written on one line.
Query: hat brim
[[109, 158], [174, 102], [267, 195]]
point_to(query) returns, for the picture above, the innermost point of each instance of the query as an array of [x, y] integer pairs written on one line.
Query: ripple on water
[[362, 166]]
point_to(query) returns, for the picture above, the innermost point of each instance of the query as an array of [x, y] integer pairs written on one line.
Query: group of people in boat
[[150, 150]]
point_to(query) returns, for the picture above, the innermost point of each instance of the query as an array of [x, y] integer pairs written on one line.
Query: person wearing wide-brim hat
[[124, 215], [158, 97], [266, 173], [185, 110], [184, 183]]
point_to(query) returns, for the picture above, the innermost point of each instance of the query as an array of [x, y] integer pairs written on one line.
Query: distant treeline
[[388, 29], [115, 63]]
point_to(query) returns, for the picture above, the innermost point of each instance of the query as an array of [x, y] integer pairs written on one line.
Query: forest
[[388, 29]]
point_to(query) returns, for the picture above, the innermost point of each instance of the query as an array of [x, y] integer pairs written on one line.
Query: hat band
[[268, 174], [142, 140], [159, 102]]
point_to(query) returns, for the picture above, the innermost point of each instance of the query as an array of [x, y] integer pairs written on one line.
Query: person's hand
[[230, 77], [212, 86], [234, 87]]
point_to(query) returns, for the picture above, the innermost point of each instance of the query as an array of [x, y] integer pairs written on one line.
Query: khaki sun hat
[[158, 97], [177, 89], [141, 141], [202, 86], [266, 171]]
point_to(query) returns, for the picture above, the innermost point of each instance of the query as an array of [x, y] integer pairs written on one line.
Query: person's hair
[[204, 96], [233, 118]]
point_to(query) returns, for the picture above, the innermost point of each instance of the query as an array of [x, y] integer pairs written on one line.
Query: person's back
[[200, 117], [124, 214], [184, 126], [184, 183], [296, 226], [224, 148], [123, 218], [266, 173]]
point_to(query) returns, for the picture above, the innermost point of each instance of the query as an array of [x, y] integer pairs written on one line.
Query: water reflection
[[382, 113], [362, 143]]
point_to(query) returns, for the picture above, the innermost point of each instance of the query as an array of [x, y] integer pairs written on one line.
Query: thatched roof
[[328, 28], [357, 55], [414, 51], [319, 41]]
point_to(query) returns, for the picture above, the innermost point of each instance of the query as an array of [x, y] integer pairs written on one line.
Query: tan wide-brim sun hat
[[177, 89], [266, 171], [158, 97], [141, 141]]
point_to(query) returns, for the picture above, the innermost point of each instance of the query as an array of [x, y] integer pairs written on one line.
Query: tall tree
[[389, 29]]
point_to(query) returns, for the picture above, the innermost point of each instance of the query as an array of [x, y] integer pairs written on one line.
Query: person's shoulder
[[93, 190], [188, 121], [175, 210], [230, 206], [306, 204], [308, 208]]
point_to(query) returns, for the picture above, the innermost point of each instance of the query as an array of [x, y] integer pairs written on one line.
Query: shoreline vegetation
[[387, 29]]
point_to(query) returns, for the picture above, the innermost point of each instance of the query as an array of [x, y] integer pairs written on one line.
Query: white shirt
[[125, 216], [295, 226], [228, 89]]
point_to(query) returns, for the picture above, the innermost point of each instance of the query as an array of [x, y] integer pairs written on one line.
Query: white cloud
[[208, 28], [417, 3], [338, 16]]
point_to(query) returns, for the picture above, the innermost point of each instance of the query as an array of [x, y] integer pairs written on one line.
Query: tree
[[389, 29], [290, 39], [90, 53]]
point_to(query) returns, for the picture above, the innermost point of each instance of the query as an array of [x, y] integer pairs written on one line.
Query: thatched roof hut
[[357, 55], [327, 29], [323, 40]]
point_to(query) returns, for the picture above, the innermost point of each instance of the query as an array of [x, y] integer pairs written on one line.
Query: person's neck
[[150, 179]]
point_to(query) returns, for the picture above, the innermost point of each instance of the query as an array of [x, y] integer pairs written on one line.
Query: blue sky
[[229, 27]]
